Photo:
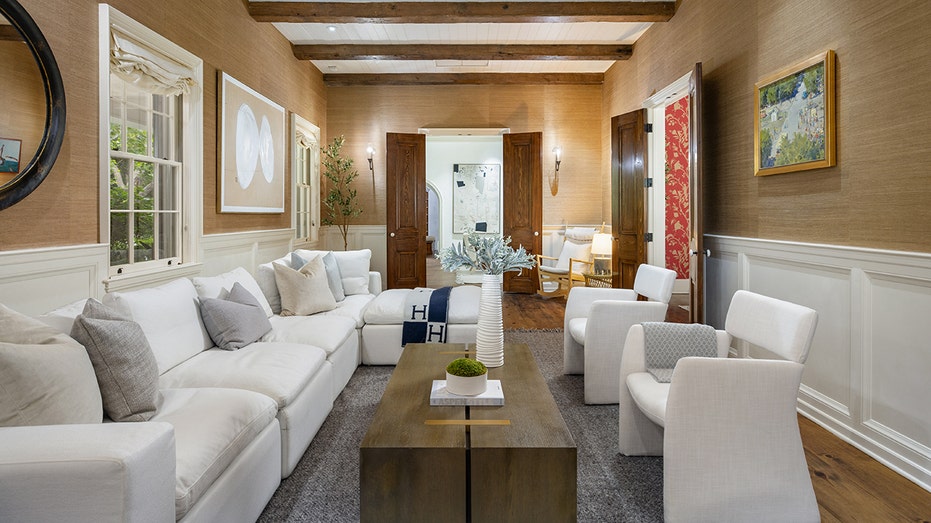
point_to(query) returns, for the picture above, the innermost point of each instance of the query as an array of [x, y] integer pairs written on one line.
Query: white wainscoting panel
[[867, 376], [35, 281], [249, 249], [373, 237]]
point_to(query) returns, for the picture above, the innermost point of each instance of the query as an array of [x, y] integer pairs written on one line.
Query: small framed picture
[[794, 119], [9, 155]]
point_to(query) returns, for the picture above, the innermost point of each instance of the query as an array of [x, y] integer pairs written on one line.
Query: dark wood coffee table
[[516, 462]]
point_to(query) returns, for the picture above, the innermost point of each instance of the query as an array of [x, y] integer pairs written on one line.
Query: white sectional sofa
[[226, 425]]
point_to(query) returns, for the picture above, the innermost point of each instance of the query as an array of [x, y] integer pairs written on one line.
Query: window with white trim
[[152, 132], [145, 175], [305, 174]]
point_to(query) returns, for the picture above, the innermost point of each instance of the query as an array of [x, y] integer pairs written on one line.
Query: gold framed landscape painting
[[794, 121]]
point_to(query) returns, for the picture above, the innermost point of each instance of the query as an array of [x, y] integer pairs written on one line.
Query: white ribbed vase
[[489, 339]]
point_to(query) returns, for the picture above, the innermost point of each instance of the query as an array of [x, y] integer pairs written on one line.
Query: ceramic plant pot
[[466, 385]]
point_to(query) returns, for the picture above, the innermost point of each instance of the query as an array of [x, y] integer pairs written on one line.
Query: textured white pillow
[[220, 285], [306, 291], [354, 267], [46, 378]]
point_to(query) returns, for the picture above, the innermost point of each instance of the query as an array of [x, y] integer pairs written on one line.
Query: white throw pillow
[[63, 317], [219, 286], [46, 378], [306, 291], [354, 267]]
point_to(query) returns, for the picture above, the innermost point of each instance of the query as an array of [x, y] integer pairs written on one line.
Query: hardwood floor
[[849, 485]]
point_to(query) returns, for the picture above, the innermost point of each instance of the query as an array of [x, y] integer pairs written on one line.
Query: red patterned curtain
[[677, 187]]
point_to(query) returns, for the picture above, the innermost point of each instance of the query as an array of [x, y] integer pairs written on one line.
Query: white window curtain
[[147, 68]]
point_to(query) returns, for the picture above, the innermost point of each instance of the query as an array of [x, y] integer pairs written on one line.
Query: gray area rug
[[325, 485]]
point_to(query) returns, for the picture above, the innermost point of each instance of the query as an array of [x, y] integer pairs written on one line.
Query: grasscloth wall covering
[[878, 194], [63, 210], [568, 116]]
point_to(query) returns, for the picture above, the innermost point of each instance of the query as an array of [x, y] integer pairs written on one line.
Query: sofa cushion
[[354, 268], [63, 317], [123, 362], [265, 277], [328, 332], [388, 307], [46, 378], [212, 427], [305, 291], [170, 318], [236, 321], [277, 370], [220, 285]]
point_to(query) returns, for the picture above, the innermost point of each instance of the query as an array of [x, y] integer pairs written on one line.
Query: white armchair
[[597, 319], [727, 428]]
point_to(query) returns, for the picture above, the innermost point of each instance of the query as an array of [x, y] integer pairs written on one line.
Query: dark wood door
[[523, 202], [628, 168], [407, 210], [696, 240]]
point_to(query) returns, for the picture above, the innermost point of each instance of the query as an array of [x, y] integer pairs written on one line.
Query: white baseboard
[[866, 376]]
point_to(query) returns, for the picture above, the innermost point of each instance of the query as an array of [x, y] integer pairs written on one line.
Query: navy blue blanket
[[425, 316]]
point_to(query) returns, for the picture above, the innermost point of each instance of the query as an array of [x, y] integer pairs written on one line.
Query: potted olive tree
[[465, 377], [342, 201]]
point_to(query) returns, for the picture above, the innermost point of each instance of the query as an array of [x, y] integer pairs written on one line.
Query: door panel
[[523, 202], [407, 210], [628, 168], [696, 235]]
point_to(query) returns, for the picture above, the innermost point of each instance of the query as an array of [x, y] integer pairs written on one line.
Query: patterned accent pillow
[[236, 321], [665, 343], [123, 362]]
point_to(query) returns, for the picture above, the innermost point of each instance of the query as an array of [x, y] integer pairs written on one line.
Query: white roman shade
[[145, 67]]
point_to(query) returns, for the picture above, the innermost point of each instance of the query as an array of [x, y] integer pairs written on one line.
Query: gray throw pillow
[[333, 276], [236, 321], [123, 362]]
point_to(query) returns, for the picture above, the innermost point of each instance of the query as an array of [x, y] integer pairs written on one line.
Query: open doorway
[[456, 161], [669, 205]]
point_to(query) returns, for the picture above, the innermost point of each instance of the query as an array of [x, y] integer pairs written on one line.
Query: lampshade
[[601, 244]]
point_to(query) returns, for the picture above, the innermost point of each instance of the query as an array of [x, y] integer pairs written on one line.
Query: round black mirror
[[16, 181]]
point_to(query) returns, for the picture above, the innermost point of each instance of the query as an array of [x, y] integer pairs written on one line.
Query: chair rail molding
[[248, 249], [866, 376], [35, 281]]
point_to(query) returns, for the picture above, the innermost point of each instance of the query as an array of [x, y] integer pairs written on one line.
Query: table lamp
[[601, 252]]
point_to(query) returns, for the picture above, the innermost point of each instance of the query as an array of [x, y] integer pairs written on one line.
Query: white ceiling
[[469, 33]]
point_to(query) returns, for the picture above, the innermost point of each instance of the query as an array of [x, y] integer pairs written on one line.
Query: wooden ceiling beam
[[347, 80], [463, 52], [460, 12]]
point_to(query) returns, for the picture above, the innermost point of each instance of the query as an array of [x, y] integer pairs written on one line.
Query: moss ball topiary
[[466, 368]]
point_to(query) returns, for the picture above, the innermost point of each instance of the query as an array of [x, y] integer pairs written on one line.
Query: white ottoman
[[381, 335]]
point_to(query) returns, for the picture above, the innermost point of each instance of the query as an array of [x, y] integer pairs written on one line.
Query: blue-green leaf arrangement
[[487, 254]]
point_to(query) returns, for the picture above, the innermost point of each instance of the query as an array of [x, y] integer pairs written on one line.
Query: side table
[[598, 280]]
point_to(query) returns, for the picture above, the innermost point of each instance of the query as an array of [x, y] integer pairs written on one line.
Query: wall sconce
[[554, 181], [601, 252], [370, 150]]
